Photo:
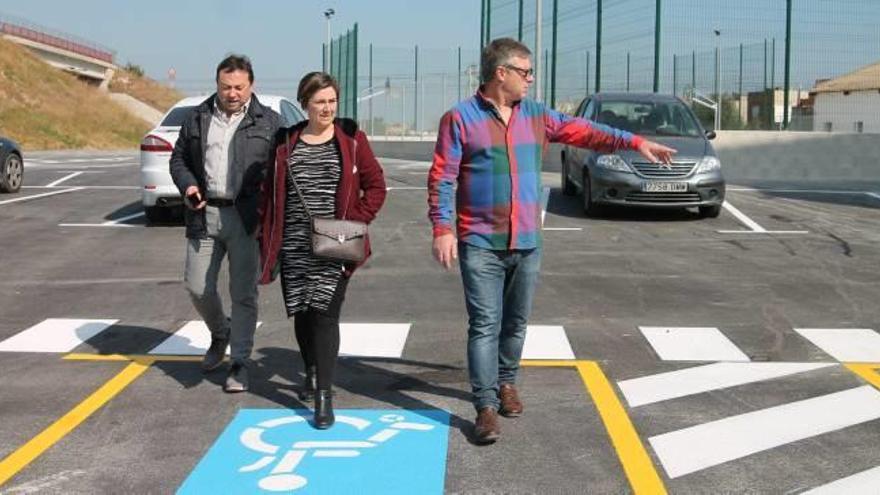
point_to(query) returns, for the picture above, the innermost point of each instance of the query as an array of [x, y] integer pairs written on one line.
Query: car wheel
[[155, 214], [590, 207], [11, 173], [710, 211], [568, 187]]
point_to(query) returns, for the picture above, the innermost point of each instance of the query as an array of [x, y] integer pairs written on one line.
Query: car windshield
[[661, 118], [176, 117]]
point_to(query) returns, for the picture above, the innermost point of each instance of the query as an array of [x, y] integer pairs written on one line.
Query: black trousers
[[317, 333]]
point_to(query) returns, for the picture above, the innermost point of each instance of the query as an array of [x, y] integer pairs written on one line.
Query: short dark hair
[[233, 63], [498, 53], [313, 82]]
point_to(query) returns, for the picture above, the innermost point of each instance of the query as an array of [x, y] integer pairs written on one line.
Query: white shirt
[[218, 152]]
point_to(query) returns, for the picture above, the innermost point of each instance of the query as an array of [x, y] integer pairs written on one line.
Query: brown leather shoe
[[486, 429], [511, 406]]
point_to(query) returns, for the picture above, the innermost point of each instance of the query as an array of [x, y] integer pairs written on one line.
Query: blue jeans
[[498, 291]]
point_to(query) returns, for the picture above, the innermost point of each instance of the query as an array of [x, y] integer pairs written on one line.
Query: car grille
[[662, 197], [677, 169]]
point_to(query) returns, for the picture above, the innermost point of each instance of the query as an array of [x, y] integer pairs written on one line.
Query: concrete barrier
[[745, 155]]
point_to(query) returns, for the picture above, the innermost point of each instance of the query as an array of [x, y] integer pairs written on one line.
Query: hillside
[[152, 93], [45, 108]]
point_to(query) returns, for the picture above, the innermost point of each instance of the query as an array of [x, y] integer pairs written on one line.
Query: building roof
[[865, 79]]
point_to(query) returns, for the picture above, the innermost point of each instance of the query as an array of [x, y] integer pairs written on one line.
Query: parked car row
[[11, 166], [160, 195], [625, 178]]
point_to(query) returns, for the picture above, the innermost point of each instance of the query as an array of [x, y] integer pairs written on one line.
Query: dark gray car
[[11, 166], [625, 178]]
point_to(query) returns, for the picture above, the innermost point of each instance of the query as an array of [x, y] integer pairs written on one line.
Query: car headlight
[[613, 162], [708, 164]]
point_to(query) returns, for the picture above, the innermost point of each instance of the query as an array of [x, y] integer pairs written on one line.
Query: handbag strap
[[296, 186], [299, 194]]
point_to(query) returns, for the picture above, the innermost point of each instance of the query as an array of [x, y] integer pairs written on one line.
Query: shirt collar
[[243, 110]]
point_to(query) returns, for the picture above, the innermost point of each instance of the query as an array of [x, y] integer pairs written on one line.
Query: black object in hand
[[194, 198]]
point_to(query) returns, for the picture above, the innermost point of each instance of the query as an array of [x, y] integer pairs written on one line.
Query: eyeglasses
[[524, 73]]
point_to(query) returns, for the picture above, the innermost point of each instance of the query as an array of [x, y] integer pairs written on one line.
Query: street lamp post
[[327, 15]]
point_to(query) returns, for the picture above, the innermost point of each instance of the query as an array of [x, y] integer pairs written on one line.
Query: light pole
[[327, 15]]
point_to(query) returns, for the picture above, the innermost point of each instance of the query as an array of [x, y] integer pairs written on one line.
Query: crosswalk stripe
[[546, 342], [700, 379], [848, 345], [192, 339], [699, 447], [692, 344], [373, 339], [55, 335], [864, 482]]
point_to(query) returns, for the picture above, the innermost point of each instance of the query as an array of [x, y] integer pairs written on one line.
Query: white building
[[849, 103]]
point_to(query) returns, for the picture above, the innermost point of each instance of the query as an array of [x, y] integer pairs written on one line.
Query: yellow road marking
[[868, 372], [637, 465], [25, 454]]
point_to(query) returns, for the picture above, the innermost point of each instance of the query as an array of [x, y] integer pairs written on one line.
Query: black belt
[[219, 202]]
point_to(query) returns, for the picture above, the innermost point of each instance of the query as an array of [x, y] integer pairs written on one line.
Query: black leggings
[[317, 333]]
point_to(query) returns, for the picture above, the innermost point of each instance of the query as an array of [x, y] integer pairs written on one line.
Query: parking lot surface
[[665, 352]]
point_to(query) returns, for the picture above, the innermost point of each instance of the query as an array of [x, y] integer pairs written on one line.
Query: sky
[[282, 38]]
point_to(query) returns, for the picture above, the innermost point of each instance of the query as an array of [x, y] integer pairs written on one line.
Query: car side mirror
[[710, 135]]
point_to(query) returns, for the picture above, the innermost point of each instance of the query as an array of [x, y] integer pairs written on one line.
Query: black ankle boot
[[324, 417], [307, 392]]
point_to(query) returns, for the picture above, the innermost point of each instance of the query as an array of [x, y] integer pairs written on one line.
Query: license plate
[[664, 186]]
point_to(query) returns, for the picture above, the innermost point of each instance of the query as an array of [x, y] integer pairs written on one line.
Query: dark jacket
[[359, 195], [251, 154]]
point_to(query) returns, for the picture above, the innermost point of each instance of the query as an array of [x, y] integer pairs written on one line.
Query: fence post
[[587, 73], [370, 88], [488, 21], [773, 85], [674, 75], [598, 45], [627, 72], [520, 26], [416, 92], [354, 71], [459, 74], [656, 51], [694, 69], [553, 69], [739, 93], [482, 24], [324, 57], [787, 64]]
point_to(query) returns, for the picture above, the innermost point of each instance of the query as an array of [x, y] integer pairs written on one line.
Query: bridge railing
[[33, 32]]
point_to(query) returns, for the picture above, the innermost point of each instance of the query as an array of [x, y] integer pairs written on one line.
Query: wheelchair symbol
[[282, 476]]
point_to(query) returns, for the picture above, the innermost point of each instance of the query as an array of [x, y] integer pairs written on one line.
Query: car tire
[[568, 187], [11, 173], [156, 214], [710, 211], [590, 207]]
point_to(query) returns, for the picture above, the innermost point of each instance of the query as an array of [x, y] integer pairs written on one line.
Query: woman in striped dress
[[327, 163]]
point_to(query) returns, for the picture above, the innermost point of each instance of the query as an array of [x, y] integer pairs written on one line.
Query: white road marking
[[55, 335], [753, 225], [84, 187], [873, 195], [36, 196], [564, 229], [748, 222], [405, 188], [864, 482], [692, 344], [546, 342], [848, 345], [66, 177], [192, 339], [545, 200], [373, 339], [700, 379], [699, 447], [119, 222]]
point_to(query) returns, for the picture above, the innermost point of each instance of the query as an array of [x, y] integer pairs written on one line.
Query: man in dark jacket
[[218, 164]]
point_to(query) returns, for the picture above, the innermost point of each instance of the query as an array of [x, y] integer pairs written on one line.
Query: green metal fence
[[753, 55]]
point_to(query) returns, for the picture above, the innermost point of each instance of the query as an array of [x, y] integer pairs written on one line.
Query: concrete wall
[[745, 155]]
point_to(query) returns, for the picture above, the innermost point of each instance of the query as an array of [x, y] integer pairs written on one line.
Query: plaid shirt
[[498, 169]]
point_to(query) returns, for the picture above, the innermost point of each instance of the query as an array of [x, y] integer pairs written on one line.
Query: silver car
[[625, 178]]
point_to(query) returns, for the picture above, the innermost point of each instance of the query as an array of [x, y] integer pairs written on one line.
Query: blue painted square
[[366, 451]]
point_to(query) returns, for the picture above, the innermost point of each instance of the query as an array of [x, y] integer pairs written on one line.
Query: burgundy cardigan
[[359, 195]]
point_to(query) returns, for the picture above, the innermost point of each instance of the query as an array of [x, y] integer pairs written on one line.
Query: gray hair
[[498, 53]]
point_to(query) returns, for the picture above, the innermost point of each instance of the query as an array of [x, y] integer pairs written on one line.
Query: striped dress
[[308, 282]]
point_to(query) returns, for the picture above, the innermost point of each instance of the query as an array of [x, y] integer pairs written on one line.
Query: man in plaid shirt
[[491, 145]]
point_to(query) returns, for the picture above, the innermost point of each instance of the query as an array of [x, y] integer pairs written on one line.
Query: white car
[[159, 192]]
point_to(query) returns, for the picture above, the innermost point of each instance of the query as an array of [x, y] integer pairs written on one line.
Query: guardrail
[[29, 31]]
